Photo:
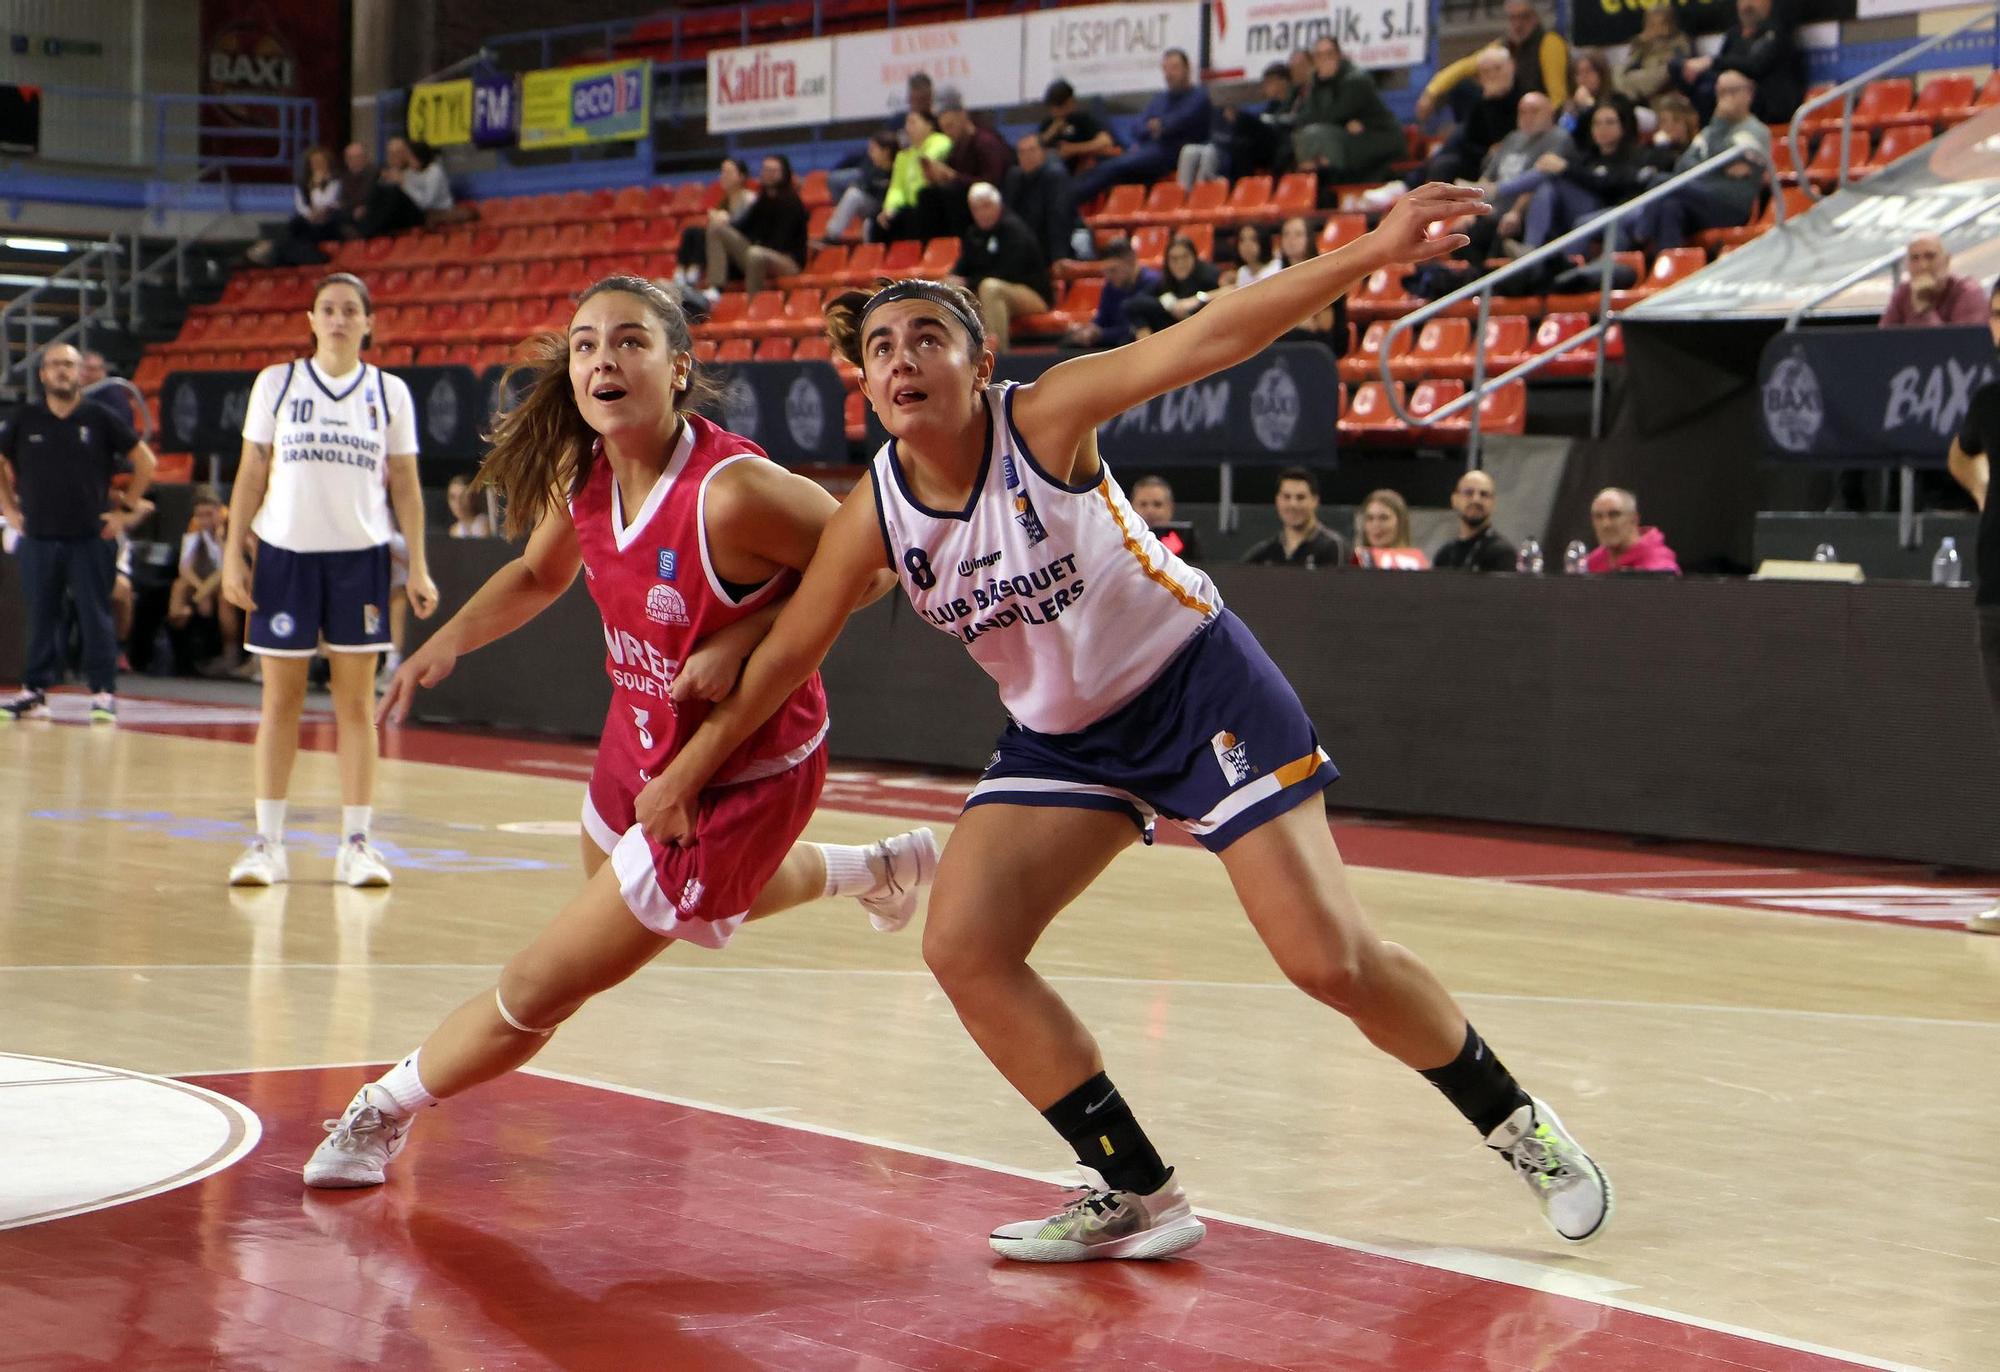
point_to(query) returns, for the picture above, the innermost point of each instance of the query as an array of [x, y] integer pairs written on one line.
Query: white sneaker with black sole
[[262, 864], [360, 1145], [1571, 1188], [904, 865], [1103, 1223]]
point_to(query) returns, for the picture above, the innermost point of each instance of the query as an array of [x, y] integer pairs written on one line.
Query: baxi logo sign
[[770, 86]]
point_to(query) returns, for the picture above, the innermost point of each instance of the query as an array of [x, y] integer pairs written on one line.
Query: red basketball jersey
[[659, 596]]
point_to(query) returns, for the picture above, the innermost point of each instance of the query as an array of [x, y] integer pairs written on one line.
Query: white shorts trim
[[1263, 788], [280, 652], [1003, 786], [382, 647], [639, 883], [601, 833], [773, 766]]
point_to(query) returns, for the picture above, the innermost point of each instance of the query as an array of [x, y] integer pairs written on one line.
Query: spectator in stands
[[1382, 535], [55, 490], [1153, 501], [1123, 280], [1188, 285], [1479, 546], [199, 621], [918, 95], [1759, 47], [863, 199], [1589, 87], [1609, 174], [1177, 116], [1072, 132], [1301, 540], [1540, 63], [1344, 130], [737, 197], [1929, 294], [358, 179], [1518, 166], [977, 154], [770, 237], [1037, 188], [1651, 57], [1246, 142], [1678, 127], [316, 216], [922, 145], [1970, 461], [468, 517], [100, 387], [1254, 260], [1623, 544], [1329, 326], [1720, 199], [412, 191], [1000, 261], [1489, 118]]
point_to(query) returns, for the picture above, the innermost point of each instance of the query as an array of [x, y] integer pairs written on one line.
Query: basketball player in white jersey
[[1133, 693], [328, 442]]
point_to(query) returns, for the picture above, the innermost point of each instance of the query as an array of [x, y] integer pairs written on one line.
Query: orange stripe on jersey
[[1297, 770], [1153, 574]]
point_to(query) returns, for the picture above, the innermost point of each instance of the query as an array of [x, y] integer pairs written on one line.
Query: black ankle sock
[[1095, 1120], [1478, 1085]]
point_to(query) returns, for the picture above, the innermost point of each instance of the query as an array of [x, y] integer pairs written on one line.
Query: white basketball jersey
[[330, 440], [1059, 591]]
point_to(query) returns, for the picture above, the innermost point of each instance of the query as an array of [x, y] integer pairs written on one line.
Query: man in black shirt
[[1072, 132], [1971, 465], [55, 487], [767, 239], [1479, 546], [1302, 541], [1000, 262], [1153, 501], [1037, 188]]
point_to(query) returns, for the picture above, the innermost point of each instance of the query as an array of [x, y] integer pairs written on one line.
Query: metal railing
[[1604, 226], [1847, 91], [93, 126], [1973, 210], [93, 277]]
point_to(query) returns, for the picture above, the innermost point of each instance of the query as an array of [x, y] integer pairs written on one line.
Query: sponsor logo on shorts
[[371, 620], [690, 895], [668, 556], [665, 606], [282, 625], [1233, 758]]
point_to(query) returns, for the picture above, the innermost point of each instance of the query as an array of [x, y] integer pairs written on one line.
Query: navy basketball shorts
[[1218, 744], [302, 598]]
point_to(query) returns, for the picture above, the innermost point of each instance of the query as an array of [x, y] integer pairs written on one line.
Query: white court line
[[1553, 877], [656, 972]]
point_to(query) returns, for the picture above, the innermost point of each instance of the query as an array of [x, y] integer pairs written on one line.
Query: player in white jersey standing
[[328, 442], [1133, 692]]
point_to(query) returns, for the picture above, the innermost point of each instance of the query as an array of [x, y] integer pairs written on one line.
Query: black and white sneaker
[[26, 705]]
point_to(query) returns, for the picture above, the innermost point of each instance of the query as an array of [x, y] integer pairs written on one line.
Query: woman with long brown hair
[[1132, 694], [1382, 534], [692, 539]]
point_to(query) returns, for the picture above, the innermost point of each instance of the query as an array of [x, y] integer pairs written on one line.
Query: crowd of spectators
[[411, 189]]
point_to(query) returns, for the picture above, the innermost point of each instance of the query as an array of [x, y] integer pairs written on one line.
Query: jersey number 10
[[302, 411]]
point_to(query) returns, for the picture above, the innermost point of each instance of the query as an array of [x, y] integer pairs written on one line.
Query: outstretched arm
[[1074, 397]]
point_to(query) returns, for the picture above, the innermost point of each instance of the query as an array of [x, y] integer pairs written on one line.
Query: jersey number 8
[[918, 564]]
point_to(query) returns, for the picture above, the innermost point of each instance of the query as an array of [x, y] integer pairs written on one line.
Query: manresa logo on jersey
[[1793, 406], [740, 410], [805, 413], [441, 410], [665, 606], [1274, 407], [186, 411]]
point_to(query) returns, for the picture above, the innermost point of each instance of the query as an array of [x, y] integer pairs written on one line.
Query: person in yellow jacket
[[921, 140], [1541, 63]]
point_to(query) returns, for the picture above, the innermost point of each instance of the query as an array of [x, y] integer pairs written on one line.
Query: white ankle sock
[[271, 820], [354, 819], [405, 1087], [847, 870]]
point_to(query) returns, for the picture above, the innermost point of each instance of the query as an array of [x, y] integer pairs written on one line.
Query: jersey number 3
[[639, 718], [918, 564]]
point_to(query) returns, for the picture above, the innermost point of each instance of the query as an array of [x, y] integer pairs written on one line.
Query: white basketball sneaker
[[262, 864], [904, 865], [1985, 922], [360, 1145], [358, 864], [1102, 1223], [1572, 1190]]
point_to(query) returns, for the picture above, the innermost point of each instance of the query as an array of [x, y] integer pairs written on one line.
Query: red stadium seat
[[1382, 296], [1340, 230], [812, 348], [1506, 343], [1503, 411], [1369, 418], [1441, 343], [1430, 396], [1249, 199], [864, 264], [776, 348], [1898, 141], [1204, 202], [1554, 330], [735, 350], [1150, 245], [825, 269], [1297, 193], [1365, 362], [1944, 100], [1120, 205], [940, 258], [1164, 203]]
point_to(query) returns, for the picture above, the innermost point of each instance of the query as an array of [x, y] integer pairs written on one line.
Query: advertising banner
[[980, 57], [1858, 396], [1106, 49], [440, 113], [592, 104], [1604, 23], [1249, 35], [257, 48], [770, 86], [496, 108]]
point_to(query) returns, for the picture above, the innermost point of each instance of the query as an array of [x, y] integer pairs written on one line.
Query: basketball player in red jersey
[[691, 540]]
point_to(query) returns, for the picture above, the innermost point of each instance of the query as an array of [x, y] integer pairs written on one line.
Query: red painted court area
[[539, 1223], [1791, 882]]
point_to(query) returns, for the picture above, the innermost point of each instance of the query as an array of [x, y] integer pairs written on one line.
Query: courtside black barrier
[[1868, 395], [1846, 719], [1279, 408]]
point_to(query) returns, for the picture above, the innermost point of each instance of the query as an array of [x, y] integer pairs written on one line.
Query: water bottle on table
[[1946, 569], [1529, 559], [1573, 558]]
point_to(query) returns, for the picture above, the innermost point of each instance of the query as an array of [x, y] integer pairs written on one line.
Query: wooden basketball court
[[786, 1155]]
